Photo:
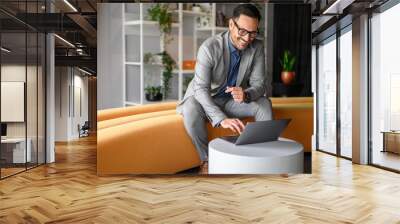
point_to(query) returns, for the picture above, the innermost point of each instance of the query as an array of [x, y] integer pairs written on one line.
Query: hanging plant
[[162, 14], [169, 65]]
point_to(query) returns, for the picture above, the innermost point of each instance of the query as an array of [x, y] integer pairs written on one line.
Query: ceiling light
[[84, 71], [65, 41], [79, 51], [5, 50], [70, 5], [337, 7]]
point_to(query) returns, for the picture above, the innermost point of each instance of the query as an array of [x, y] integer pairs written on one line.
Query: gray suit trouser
[[194, 117]]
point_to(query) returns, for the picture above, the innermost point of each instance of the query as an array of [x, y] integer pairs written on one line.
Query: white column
[[314, 91], [360, 90], [50, 99], [180, 53]]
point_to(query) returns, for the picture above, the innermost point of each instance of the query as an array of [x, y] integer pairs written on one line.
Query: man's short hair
[[248, 10]]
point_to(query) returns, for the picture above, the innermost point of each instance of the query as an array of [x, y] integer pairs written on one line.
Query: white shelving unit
[[141, 36]]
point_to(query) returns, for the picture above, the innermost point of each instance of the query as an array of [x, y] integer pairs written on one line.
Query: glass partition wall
[[327, 95], [22, 87], [334, 94], [385, 89]]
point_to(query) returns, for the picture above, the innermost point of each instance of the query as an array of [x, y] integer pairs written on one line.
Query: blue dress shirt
[[233, 70]]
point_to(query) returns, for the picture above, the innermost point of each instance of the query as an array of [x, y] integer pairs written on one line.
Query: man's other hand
[[234, 124], [236, 92]]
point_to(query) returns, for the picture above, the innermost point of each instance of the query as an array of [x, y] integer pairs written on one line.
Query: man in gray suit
[[229, 81]]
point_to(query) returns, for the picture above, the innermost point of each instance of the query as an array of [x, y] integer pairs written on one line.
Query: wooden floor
[[70, 192], [10, 171]]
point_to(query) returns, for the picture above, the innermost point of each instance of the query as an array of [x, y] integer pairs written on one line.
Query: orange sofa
[[151, 139]]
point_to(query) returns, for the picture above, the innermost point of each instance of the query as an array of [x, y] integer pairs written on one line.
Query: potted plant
[[169, 65], [196, 8], [288, 60], [153, 93]]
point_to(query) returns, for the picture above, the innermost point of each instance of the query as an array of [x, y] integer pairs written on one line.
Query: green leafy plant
[[288, 61], [169, 65], [162, 14], [153, 93], [153, 90]]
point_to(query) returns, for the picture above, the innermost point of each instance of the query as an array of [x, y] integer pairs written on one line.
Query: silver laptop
[[259, 131]]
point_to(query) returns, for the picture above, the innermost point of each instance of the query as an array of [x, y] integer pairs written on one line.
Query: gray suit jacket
[[211, 72]]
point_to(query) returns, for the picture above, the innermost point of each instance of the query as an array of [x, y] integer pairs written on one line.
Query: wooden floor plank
[[69, 191]]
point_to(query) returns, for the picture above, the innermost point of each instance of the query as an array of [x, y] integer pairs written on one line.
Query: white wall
[[12, 101], [62, 81], [70, 83], [80, 83], [12, 73], [33, 125], [109, 56]]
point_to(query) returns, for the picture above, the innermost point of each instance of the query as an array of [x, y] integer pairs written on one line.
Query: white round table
[[277, 157]]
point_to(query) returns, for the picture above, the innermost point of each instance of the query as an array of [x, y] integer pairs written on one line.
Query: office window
[[327, 95], [345, 92], [385, 88]]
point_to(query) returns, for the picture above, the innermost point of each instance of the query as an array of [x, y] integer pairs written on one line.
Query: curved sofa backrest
[[292, 101], [132, 118], [107, 114], [112, 113]]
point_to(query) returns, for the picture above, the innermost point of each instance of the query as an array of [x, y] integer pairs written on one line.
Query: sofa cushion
[[122, 120]]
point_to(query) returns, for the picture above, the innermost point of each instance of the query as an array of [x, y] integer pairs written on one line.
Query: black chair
[[84, 130]]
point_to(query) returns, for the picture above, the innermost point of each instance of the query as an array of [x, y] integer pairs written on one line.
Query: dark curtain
[[292, 31]]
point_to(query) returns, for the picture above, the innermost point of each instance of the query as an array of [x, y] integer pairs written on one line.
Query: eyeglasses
[[243, 32]]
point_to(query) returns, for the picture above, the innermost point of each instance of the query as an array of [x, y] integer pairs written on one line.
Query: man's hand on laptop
[[234, 124], [236, 92]]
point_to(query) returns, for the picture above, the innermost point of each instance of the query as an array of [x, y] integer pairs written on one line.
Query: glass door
[[326, 93], [345, 61]]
